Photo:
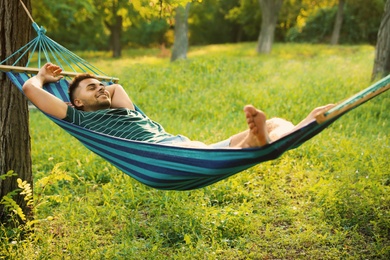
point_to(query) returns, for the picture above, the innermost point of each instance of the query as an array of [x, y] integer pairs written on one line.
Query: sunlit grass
[[328, 199]]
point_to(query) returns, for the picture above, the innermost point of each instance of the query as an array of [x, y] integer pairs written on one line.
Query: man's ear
[[78, 103]]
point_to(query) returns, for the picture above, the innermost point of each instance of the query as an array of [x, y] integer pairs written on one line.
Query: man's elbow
[[30, 90], [26, 87]]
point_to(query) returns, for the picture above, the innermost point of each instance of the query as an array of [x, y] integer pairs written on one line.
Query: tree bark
[[338, 23], [14, 134], [115, 28], [269, 16], [116, 33], [180, 45], [382, 53]]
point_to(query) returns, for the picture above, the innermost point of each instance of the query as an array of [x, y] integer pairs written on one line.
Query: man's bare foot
[[257, 135]]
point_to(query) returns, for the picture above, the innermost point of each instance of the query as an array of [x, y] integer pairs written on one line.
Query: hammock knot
[[39, 29]]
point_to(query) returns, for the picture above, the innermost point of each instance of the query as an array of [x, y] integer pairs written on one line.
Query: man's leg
[[310, 118], [257, 134], [312, 115]]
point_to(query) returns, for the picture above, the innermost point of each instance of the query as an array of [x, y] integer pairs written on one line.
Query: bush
[[357, 27]]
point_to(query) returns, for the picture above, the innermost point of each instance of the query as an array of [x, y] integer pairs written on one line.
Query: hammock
[[161, 166]]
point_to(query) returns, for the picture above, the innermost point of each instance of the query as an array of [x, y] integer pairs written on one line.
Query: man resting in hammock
[[109, 110]]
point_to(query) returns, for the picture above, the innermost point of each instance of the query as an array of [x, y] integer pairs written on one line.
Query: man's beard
[[102, 105], [98, 105]]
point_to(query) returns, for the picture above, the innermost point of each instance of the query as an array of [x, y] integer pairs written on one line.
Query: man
[[109, 110]]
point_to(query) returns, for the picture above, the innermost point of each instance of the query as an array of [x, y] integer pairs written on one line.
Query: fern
[[8, 202], [55, 176], [11, 205], [8, 174], [26, 191]]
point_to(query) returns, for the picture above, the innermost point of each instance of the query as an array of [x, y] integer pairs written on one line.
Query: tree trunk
[[338, 23], [14, 134], [269, 17], [115, 28], [382, 53], [180, 45], [116, 32]]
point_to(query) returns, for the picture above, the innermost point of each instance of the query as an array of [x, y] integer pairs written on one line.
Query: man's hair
[[73, 85]]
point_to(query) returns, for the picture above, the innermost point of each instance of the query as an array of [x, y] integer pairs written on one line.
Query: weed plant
[[328, 199]]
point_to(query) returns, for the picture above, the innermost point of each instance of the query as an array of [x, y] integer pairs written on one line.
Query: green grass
[[328, 199]]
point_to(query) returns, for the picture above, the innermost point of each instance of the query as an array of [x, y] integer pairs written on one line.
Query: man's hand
[[49, 73], [45, 101]]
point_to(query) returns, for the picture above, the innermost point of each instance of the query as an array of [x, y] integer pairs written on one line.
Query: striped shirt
[[119, 122]]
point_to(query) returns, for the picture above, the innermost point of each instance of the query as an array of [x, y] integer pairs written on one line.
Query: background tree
[[382, 54], [14, 134], [361, 21], [82, 25], [115, 27], [245, 18], [180, 46], [269, 17], [78, 25], [338, 23], [213, 22], [120, 15]]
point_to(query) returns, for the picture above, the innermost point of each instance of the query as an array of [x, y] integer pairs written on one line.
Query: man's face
[[91, 95]]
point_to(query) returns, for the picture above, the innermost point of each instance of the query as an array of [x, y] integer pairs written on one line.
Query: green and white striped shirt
[[119, 122]]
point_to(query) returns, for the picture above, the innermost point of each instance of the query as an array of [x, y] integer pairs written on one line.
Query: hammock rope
[[27, 11], [161, 166], [43, 49]]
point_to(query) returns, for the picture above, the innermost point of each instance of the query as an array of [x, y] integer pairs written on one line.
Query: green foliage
[[9, 204], [18, 232], [88, 25], [328, 199], [71, 22], [148, 33], [318, 27], [7, 175], [247, 19], [16, 226], [223, 21], [360, 25]]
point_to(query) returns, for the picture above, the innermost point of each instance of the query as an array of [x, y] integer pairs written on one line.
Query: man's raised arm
[[119, 97], [45, 101]]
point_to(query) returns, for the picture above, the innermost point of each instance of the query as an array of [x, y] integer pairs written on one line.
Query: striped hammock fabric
[[161, 166], [181, 168]]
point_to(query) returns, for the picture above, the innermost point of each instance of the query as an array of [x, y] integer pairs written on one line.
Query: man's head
[[87, 93]]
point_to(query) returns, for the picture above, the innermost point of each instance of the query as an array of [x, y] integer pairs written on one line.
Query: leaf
[[32, 222], [187, 239], [9, 203], [8, 174]]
